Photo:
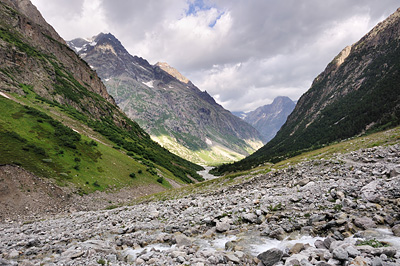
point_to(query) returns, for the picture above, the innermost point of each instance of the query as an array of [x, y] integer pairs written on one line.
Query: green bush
[[132, 175], [160, 179]]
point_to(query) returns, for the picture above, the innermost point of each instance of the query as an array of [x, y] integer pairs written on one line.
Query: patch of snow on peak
[[93, 43], [208, 141], [171, 87], [149, 83]]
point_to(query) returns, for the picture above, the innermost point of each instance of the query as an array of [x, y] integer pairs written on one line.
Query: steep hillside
[[268, 119], [358, 92], [58, 119], [167, 105]]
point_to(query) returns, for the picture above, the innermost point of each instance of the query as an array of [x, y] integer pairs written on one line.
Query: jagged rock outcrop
[[167, 105], [32, 53], [268, 119]]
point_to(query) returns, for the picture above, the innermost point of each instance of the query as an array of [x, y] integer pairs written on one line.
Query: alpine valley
[[167, 105], [76, 172]]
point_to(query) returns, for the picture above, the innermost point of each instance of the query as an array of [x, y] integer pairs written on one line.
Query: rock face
[[167, 105], [208, 227], [32, 53], [268, 119], [356, 92]]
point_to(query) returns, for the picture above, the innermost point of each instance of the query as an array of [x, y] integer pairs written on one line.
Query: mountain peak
[[172, 71]]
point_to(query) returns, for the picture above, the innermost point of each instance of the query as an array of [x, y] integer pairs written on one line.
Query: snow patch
[[149, 83], [107, 79], [93, 43], [4, 95], [171, 87], [208, 141]]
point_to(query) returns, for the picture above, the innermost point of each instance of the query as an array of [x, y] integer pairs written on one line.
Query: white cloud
[[244, 53]]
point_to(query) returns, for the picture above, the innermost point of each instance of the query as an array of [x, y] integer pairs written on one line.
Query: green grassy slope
[[61, 92]]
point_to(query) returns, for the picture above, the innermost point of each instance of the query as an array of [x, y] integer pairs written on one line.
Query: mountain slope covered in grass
[[60, 122]]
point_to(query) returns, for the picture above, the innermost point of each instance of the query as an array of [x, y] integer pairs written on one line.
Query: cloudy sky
[[243, 52]]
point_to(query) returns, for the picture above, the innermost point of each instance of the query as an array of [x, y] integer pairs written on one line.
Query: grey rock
[[377, 262], [182, 240], [250, 217], [396, 230], [297, 248], [222, 227], [364, 222], [340, 254], [232, 257], [271, 256], [371, 192], [352, 251]]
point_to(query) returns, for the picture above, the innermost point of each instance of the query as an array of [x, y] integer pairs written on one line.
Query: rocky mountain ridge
[[355, 94], [168, 106], [268, 119]]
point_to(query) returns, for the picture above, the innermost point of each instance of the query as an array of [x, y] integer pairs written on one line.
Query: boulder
[[182, 240], [396, 230], [370, 192], [271, 256], [340, 254], [364, 222]]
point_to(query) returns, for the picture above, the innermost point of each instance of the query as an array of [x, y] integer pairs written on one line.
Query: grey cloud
[[257, 49]]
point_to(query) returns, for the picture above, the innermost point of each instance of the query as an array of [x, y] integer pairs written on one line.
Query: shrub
[[160, 179], [76, 159], [140, 171], [132, 175]]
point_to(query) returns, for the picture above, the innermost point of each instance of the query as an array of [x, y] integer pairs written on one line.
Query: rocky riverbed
[[344, 210]]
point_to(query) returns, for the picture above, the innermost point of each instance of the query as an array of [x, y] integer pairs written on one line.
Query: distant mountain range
[[269, 118], [357, 93], [167, 105]]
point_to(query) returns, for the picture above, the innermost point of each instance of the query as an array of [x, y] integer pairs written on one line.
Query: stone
[[13, 254], [340, 254], [304, 181], [232, 257], [364, 222], [359, 261], [182, 240], [250, 217], [278, 233], [297, 248], [370, 192], [395, 171], [328, 241], [319, 244], [396, 230], [377, 262], [222, 227], [352, 251], [271, 256]]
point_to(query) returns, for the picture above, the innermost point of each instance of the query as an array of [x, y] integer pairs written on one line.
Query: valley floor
[[344, 210]]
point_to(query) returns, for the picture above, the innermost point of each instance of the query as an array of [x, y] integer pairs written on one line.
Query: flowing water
[[205, 173]]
